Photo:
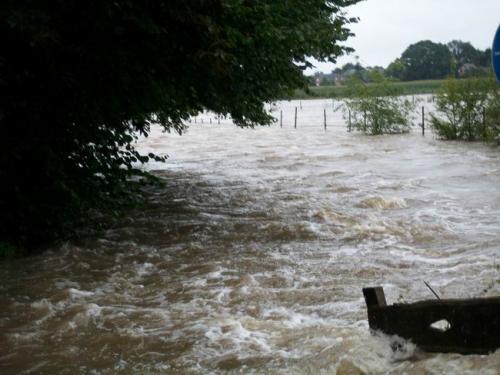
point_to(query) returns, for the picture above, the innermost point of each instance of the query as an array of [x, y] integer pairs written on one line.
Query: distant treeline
[[424, 60], [342, 91]]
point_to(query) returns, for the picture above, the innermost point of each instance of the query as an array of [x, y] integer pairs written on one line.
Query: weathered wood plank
[[474, 323]]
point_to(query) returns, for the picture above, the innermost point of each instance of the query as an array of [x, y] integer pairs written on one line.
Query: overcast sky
[[387, 27]]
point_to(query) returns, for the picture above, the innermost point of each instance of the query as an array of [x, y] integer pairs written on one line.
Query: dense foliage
[[467, 61], [468, 109], [429, 60], [377, 108], [80, 80], [424, 60]]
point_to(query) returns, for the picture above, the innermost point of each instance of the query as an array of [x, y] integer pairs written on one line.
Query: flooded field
[[253, 256]]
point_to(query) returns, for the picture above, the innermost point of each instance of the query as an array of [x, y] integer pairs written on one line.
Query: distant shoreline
[[404, 88]]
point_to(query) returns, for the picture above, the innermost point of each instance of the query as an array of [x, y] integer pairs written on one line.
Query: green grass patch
[[403, 88]]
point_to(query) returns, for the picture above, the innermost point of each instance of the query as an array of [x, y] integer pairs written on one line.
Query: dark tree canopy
[[80, 79], [426, 60], [396, 69], [467, 60], [464, 53]]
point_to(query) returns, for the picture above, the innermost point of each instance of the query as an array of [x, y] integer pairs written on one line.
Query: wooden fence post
[[295, 122], [350, 124], [324, 117], [281, 118], [484, 122], [423, 121]]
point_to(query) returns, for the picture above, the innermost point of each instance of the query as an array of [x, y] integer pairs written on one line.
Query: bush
[[492, 114], [467, 110], [377, 108]]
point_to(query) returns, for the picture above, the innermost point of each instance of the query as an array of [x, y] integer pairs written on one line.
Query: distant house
[[467, 69]]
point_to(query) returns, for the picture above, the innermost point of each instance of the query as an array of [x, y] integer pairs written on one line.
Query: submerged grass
[[341, 91]]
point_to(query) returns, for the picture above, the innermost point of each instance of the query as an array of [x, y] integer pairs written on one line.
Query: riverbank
[[404, 88]]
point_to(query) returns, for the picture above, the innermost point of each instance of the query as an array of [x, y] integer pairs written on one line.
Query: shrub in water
[[377, 108], [492, 113], [466, 110]]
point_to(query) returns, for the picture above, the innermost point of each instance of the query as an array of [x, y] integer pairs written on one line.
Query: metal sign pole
[[495, 54]]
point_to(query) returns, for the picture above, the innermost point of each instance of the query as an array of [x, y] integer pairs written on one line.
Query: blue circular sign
[[495, 54]]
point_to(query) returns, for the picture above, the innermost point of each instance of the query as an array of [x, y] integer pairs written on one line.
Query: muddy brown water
[[253, 256]]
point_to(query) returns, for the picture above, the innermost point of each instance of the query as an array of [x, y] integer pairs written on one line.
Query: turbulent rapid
[[252, 257]]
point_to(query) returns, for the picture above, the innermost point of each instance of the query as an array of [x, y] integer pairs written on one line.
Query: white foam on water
[[65, 283], [145, 269], [44, 310], [383, 203], [290, 319], [75, 293], [252, 257], [36, 368], [93, 310]]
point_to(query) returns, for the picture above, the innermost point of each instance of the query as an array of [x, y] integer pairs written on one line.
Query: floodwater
[[252, 257]]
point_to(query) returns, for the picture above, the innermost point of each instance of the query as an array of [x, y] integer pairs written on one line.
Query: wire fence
[[327, 115]]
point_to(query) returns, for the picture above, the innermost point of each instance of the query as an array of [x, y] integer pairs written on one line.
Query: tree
[[79, 80], [426, 60], [396, 69], [485, 59], [464, 52]]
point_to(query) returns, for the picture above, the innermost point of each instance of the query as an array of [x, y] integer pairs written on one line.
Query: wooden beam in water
[[474, 324]]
